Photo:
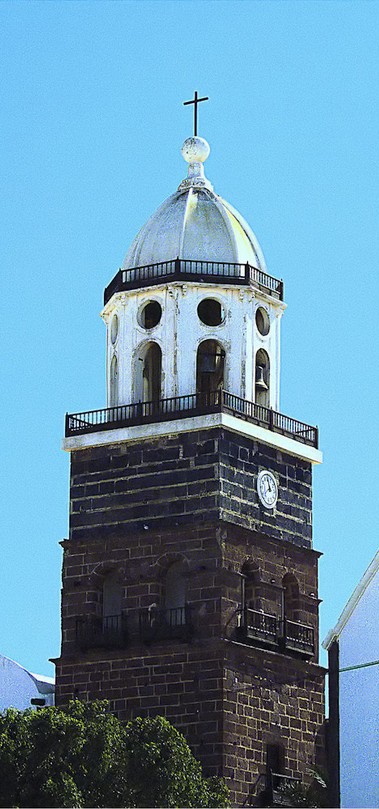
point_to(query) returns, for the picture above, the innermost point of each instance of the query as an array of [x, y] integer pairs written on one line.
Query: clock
[[267, 488]]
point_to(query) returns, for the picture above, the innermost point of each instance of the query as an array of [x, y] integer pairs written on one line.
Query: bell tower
[[189, 577]]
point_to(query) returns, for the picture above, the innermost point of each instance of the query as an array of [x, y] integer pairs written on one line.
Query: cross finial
[[195, 101]]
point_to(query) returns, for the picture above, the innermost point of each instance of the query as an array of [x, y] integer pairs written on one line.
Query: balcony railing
[[108, 632], [194, 404], [267, 630], [219, 272], [274, 789], [261, 626], [163, 624], [297, 637]]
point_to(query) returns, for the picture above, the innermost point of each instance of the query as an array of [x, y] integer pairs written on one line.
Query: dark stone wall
[[229, 701], [186, 479], [136, 508], [240, 462]]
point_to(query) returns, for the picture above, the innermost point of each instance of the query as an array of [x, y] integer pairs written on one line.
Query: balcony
[[275, 789], [211, 272], [194, 404], [109, 632], [263, 629], [165, 624], [297, 637]]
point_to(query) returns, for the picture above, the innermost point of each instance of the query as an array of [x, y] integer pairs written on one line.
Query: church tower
[[189, 577]]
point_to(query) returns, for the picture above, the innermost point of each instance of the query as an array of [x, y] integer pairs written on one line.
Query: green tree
[[162, 770], [82, 756]]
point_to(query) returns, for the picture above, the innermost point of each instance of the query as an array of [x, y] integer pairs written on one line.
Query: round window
[[114, 329], [150, 315], [210, 312], [262, 321]]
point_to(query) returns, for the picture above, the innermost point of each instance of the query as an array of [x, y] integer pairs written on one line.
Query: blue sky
[[92, 125]]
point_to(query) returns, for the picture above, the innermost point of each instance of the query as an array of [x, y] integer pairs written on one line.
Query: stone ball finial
[[195, 150]]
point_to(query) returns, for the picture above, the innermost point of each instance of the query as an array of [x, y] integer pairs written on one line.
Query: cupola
[[195, 223], [193, 310]]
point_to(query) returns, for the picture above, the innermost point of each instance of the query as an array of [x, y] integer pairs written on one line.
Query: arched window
[[259, 623], [251, 589], [175, 594], [210, 367], [262, 378], [291, 600], [114, 382], [112, 604], [149, 373]]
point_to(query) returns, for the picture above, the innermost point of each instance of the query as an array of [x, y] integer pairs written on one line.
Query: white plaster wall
[[18, 686], [359, 701], [180, 332]]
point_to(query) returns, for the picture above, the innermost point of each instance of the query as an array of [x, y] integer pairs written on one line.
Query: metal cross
[[195, 101]]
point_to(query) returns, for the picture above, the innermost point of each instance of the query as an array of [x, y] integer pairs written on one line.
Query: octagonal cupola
[[193, 310]]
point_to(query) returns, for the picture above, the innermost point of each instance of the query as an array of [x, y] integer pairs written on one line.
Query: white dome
[[195, 224]]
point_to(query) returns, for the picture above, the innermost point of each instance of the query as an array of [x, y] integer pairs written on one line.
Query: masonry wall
[[138, 507], [187, 478], [182, 682], [270, 699]]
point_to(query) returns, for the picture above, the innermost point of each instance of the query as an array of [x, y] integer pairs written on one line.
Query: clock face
[[267, 488]]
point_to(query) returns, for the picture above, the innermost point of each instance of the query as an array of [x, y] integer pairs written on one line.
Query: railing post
[[177, 265], [247, 272], [271, 419]]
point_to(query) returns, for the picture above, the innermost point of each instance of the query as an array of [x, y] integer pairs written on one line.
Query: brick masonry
[[138, 507], [188, 478]]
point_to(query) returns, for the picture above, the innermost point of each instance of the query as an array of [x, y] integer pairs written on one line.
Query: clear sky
[[91, 128]]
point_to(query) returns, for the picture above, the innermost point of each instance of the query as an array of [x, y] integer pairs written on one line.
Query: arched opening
[[258, 623], [262, 378], [172, 619], [112, 603], [210, 367], [250, 586], [175, 595], [113, 392], [296, 636], [149, 373], [291, 605]]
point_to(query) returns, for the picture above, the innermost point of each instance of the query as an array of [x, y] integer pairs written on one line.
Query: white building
[[353, 647], [21, 689]]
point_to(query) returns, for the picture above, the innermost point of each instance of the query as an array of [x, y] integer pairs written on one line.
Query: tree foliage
[[83, 756], [313, 795]]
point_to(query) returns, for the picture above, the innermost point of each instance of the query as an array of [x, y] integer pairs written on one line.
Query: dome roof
[[195, 223]]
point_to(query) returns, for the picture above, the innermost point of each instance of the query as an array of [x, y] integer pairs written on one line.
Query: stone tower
[[189, 578]]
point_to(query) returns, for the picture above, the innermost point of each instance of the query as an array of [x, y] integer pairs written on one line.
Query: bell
[[260, 383]]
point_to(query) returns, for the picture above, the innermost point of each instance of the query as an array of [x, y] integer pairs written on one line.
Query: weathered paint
[[180, 332]]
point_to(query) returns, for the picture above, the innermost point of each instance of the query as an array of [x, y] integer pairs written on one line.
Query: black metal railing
[[193, 404], [297, 637], [163, 624], [268, 630], [279, 787], [261, 626], [220, 272], [272, 789], [106, 632]]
